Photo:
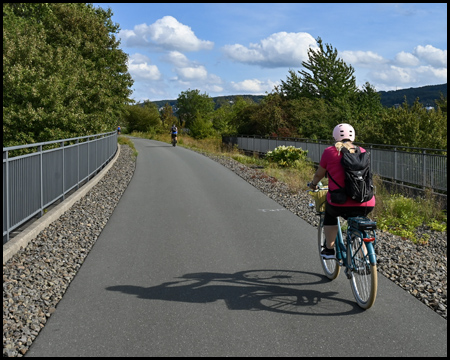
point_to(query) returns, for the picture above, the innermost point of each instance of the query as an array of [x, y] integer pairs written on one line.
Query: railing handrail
[[331, 142], [16, 147], [423, 168]]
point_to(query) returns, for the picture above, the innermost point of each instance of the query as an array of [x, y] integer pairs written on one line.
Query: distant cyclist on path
[[174, 132]]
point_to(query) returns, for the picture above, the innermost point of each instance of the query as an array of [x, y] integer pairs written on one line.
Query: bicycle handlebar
[[319, 187]]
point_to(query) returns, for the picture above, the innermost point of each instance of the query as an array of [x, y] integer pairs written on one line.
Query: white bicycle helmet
[[343, 132]]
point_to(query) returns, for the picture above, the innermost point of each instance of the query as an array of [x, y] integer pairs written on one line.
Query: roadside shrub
[[286, 156]]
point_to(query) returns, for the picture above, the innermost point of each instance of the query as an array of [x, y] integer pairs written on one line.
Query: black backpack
[[358, 177]]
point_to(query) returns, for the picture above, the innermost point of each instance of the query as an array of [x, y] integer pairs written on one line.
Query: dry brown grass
[[296, 179]]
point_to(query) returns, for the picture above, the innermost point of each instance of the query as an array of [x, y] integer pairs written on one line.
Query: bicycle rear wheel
[[364, 279], [330, 267]]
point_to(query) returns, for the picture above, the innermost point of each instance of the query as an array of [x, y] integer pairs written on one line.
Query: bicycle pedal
[[348, 273]]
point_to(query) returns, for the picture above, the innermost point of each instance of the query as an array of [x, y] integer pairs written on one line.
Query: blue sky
[[238, 48]]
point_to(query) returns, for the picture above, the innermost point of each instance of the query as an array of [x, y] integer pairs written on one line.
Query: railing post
[[424, 169], [88, 155], [41, 172], [63, 173], [370, 157], [7, 196], [96, 153], [78, 163], [395, 164]]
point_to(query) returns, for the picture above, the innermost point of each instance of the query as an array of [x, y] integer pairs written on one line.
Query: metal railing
[[426, 168], [34, 181]]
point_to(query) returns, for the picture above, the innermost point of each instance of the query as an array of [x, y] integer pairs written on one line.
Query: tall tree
[[167, 116], [329, 77], [291, 89], [442, 103], [325, 76], [64, 74], [143, 118], [238, 116], [366, 114], [192, 104], [414, 126], [270, 118]]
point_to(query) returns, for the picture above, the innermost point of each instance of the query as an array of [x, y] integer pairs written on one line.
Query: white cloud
[[362, 58], [431, 55], [139, 58], [176, 58], [215, 88], [192, 73], [425, 65], [410, 76], [406, 59], [427, 72], [278, 50], [393, 74], [189, 71], [242, 54], [166, 34], [253, 86], [139, 68]]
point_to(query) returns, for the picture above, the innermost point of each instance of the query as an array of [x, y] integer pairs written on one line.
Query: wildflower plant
[[286, 156]]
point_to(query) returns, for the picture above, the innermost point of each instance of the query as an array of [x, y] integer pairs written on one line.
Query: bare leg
[[330, 233]]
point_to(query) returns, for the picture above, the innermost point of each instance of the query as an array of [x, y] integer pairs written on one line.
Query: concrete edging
[[22, 239]]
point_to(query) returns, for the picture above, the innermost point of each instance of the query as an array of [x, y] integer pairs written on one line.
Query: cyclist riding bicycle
[[174, 132], [330, 162]]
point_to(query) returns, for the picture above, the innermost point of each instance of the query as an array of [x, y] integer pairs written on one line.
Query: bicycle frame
[[355, 253], [341, 248], [368, 240]]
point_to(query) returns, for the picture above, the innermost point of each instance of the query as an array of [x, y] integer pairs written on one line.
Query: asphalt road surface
[[197, 262]]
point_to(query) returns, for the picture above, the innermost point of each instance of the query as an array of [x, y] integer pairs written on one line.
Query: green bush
[[286, 156], [403, 215], [201, 128]]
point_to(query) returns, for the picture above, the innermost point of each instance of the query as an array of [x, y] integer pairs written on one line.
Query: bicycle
[[174, 141], [356, 253]]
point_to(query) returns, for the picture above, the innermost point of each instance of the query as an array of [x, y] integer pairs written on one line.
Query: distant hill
[[218, 100], [426, 94]]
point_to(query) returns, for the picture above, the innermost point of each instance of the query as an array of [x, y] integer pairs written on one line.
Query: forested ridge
[[427, 96]]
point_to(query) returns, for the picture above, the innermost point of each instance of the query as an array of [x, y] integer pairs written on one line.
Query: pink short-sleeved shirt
[[331, 161]]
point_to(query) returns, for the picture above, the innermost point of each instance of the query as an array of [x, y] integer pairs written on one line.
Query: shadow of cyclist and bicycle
[[281, 291]]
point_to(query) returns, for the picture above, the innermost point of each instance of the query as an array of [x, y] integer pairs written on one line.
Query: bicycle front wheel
[[364, 279], [330, 267]]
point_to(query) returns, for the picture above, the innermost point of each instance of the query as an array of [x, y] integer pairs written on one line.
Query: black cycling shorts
[[332, 212], [174, 135]]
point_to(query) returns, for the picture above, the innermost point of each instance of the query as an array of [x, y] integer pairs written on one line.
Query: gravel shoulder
[[36, 278]]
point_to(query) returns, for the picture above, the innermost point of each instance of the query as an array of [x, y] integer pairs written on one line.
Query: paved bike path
[[195, 261]]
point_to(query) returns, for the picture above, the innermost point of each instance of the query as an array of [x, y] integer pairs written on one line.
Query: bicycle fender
[[371, 252]]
